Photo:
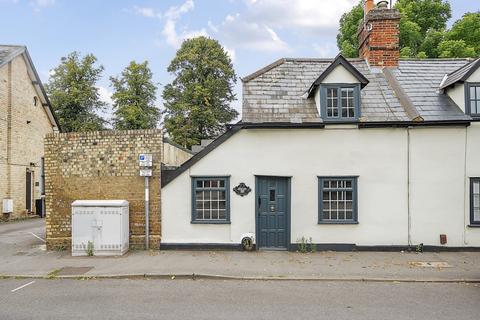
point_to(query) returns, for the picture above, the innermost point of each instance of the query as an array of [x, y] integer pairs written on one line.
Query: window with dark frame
[[475, 201], [473, 99], [337, 200], [210, 200], [340, 102]]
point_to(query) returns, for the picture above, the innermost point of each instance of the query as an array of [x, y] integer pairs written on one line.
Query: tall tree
[[73, 94], [347, 40], [197, 102], [134, 98], [467, 29]]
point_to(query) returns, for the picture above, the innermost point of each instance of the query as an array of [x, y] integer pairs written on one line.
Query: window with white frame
[[337, 200], [210, 203], [475, 201], [340, 102]]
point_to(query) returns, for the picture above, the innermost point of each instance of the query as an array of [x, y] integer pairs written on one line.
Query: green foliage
[[197, 102], [431, 41], [134, 98], [410, 35], [306, 245], [90, 248], [406, 52], [423, 31], [427, 14], [467, 29], [347, 40], [455, 49], [73, 94]]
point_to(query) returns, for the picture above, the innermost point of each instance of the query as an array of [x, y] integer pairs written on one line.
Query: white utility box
[[7, 206], [103, 224]]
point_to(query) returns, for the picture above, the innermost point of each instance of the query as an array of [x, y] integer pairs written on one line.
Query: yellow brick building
[[25, 118]]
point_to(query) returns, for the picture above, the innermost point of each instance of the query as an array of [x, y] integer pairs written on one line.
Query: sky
[[255, 33]]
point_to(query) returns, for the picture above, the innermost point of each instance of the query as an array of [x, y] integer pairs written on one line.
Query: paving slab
[[22, 253]]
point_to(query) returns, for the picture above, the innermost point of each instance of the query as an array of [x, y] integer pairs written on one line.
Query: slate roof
[[279, 92], [460, 74], [8, 52]]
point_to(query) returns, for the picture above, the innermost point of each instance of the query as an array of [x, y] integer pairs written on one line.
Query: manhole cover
[[73, 271], [429, 264]]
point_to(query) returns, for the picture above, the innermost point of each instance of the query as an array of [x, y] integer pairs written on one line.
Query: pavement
[[231, 299], [23, 254]]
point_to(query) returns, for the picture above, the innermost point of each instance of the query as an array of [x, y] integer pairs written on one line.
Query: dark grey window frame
[[467, 99], [473, 222], [339, 87], [354, 219], [194, 220]]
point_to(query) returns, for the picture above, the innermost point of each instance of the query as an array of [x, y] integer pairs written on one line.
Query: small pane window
[[340, 102], [475, 201], [337, 199], [211, 200], [473, 99]]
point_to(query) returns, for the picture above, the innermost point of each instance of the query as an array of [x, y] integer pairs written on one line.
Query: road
[[222, 299]]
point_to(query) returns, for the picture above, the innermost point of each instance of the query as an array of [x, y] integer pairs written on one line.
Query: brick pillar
[[378, 36]]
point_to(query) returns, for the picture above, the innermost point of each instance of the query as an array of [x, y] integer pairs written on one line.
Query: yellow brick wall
[[3, 130], [29, 125]]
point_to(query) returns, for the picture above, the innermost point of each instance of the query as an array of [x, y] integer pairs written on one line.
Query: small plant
[[419, 248], [59, 247], [306, 245], [312, 246], [90, 248]]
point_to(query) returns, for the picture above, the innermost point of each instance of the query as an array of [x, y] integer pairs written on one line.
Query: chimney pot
[[369, 5]]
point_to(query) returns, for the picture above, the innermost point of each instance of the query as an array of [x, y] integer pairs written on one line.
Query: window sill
[[474, 225], [210, 222], [338, 222], [340, 121]]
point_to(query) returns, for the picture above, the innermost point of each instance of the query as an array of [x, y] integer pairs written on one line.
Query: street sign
[[145, 159], [145, 172]]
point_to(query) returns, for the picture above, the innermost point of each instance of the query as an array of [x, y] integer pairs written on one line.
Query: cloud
[[325, 49], [237, 31], [173, 14], [146, 12], [230, 52], [305, 15], [105, 95], [38, 4]]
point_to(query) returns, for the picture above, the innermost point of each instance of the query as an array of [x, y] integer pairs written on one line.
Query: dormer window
[[340, 102], [472, 99]]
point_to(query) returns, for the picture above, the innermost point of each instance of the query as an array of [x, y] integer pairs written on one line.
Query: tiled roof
[[7, 53], [278, 92], [460, 74]]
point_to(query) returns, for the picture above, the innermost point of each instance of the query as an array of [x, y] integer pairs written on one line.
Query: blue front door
[[272, 213]]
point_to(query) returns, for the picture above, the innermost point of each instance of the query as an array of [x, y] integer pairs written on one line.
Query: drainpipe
[[465, 188], [408, 189]]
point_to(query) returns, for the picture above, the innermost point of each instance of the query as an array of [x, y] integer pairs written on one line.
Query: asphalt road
[[215, 299]]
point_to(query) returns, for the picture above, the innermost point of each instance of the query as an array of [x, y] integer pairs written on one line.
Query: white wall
[[378, 156], [438, 202]]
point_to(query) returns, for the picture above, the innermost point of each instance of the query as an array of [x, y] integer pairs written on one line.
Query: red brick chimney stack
[[378, 35]]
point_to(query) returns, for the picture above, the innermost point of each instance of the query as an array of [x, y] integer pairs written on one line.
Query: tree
[[347, 40], [73, 94], [455, 49], [467, 29], [197, 102], [134, 98], [427, 14], [422, 27]]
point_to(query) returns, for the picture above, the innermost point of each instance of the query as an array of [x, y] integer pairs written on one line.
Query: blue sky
[[254, 32]]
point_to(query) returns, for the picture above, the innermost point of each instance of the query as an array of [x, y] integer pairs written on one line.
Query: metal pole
[[147, 214]]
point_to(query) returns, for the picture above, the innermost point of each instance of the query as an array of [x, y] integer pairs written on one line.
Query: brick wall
[[101, 165], [379, 37], [23, 127]]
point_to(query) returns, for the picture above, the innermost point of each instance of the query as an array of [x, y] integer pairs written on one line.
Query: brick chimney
[[378, 36]]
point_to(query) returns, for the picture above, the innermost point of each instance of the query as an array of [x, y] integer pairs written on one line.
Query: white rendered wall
[[457, 92], [377, 156]]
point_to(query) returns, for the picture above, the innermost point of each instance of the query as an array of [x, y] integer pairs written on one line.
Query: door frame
[[288, 243]]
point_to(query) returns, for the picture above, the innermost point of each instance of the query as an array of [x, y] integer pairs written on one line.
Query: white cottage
[[375, 152]]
